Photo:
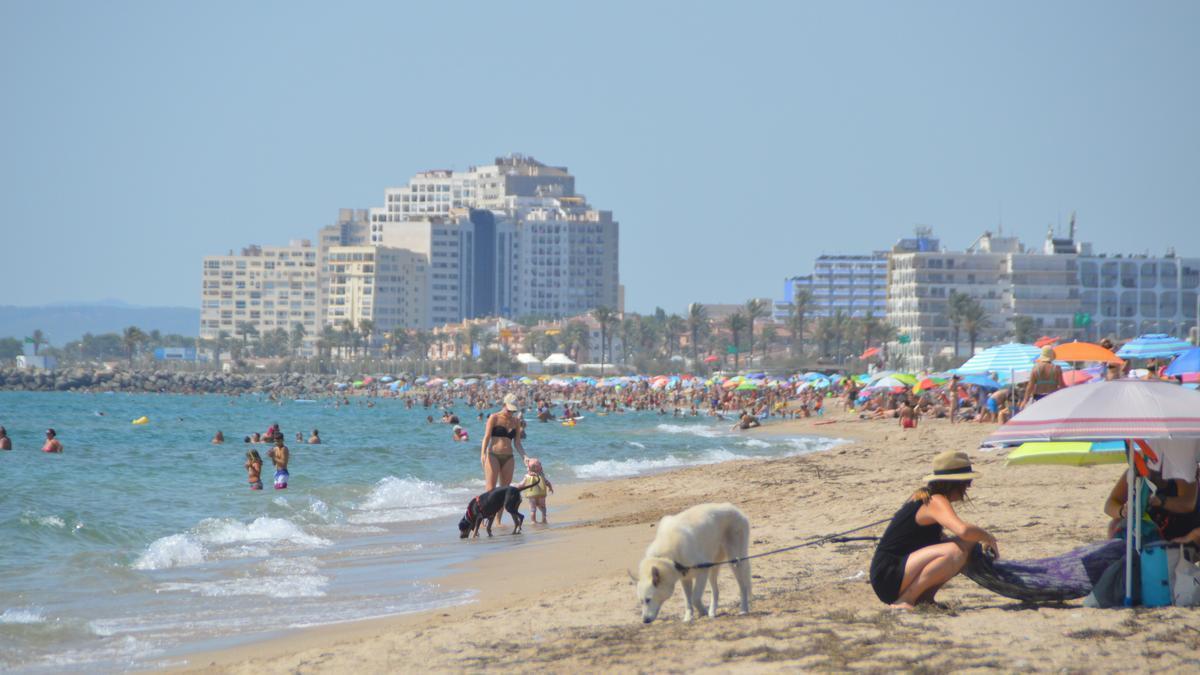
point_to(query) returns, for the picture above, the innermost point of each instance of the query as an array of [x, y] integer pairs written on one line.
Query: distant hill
[[65, 322]]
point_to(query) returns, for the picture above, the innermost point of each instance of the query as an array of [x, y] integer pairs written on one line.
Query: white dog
[[701, 534]]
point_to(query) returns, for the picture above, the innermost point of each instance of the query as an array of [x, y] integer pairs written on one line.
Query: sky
[[734, 142]]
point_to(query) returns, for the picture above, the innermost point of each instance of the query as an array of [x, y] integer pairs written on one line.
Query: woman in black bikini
[[501, 434], [912, 561]]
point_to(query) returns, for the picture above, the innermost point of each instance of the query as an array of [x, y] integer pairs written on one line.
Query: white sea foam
[[407, 499], [806, 445], [614, 468], [30, 518], [275, 578], [695, 430], [637, 445], [755, 443], [227, 531], [28, 615], [172, 551]]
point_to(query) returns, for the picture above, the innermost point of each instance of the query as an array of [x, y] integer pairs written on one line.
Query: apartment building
[[1129, 295], [266, 287], [855, 285], [380, 284], [567, 258]]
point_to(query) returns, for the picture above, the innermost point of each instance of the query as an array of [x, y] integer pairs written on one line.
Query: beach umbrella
[[910, 380], [1085, 351], [1074, 377], [880, 375], [358, 383], [888, 383], [1045, 340], [435, 382], [1153, 346], [748, 385], [925, 385], [981, 381], [1186, 363], [1115, 410], [1068, 453], [368, 380], [712, 358], [1001, 358], [873, 351], [387, 378]]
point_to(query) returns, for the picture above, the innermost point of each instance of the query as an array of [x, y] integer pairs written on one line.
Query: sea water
[[142, 543]]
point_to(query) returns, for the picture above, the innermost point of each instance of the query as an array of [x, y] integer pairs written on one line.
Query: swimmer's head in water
[[50, 433]]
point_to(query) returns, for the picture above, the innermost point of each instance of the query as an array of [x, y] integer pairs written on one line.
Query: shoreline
[[566, 601]]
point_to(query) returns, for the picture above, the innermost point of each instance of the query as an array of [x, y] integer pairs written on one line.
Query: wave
[[232, 538], [755, 443], [616, 468], [275, 578], [408, 499], [636, 444], [806, 445], [21, 616], [695, 430]]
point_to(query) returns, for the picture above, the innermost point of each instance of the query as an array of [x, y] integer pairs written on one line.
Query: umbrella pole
[[1129, 535]]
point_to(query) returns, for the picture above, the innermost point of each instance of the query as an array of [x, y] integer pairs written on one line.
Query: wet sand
[[564, 600]]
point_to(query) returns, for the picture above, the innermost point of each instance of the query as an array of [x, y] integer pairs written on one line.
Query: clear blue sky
[[733, 141]]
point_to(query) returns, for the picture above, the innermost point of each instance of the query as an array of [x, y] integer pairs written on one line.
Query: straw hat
[[1047, 354], [952, 465], [510, 402]]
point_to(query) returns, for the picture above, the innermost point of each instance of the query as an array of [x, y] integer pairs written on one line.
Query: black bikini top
[[502, 432]]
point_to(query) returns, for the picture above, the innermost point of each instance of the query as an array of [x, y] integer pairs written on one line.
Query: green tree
[[366, 331], [796, 315], [605, 317], [1024, 329], [10, 348], [736, 323], [246, 330], [955, 305], [697, 322], [755, 308], [131, 339], [974, 320], [348, 337], [296, 338], [39, 339], [675, 328]]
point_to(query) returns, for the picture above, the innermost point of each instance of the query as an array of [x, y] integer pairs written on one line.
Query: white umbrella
[[1119, 409]]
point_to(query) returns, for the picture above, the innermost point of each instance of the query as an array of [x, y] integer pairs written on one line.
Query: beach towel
[[1065, 577]]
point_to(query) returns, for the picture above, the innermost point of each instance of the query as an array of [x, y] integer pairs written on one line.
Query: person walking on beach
[[254, 469], [501, 435], [912, 561], [280, 455], [536, 477], [5, 441], [52, 443], [1045, 378]]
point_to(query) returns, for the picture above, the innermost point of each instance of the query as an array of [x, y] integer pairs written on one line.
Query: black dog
[[488, 505]]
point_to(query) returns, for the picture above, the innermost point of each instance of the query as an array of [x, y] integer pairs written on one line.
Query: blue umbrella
[[981, 381], [1188, 362], [1001, 359], [1153, 346]]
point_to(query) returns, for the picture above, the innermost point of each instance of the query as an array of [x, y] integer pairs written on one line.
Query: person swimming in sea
[[254, 469], [5, 441], [52, 443], [218, 438]]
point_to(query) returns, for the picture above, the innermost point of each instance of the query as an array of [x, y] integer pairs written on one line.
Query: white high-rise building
[[380, 284], [265, 287]]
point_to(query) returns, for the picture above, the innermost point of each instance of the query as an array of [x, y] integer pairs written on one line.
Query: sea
[[143, 543]]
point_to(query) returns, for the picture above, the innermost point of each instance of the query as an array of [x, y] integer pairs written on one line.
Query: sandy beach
[[563, 601]]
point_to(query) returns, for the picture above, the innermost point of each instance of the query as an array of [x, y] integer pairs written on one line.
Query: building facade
[[266, 288], [855, 285], [1134, 295], [379, 284]]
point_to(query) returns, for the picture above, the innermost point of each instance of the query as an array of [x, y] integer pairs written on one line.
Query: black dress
[[902, 536]]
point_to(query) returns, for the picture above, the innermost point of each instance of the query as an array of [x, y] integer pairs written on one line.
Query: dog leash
[[826, 539]]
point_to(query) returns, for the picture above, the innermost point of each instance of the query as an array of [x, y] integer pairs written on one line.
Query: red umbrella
[[711, 358], [1045, 340], [1073, 377], [869, 353]]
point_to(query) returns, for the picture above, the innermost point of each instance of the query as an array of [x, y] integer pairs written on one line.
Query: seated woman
[[1172, 507], [912, 561]]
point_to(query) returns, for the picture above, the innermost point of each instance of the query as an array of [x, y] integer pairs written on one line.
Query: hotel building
[[855, 285], [380, 284]]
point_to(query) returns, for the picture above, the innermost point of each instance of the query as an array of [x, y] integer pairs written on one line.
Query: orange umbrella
[[1084, 351], [869, 353]]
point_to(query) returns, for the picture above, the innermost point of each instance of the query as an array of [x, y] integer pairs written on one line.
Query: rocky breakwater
[[84, 379]]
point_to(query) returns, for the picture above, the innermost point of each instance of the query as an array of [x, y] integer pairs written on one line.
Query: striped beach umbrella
[[1153, 346], [1113, 410], [1001, 359]]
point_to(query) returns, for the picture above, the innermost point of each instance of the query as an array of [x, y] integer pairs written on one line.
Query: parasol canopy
[[1153, 346], [1085, 351], [1113, 410], [1068, 453], [873, 351], [1188, 362], [1001, 358]]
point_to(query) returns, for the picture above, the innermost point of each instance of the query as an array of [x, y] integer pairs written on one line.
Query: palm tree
[[245, 329], [366, 330], [768, 335], [132, 337], [756, 308], [296, 339], [1024, 329], [38, 338], [974, 320], [796, 314], [954, 314], [348, 337], [676, 328], [697, 320], [220, 345], [603, 316], [736, 324]]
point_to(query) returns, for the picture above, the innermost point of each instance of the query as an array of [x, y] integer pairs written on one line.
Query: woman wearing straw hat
[[912, 561], [1045, 378]]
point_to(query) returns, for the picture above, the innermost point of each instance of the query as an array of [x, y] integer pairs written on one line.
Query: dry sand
[[564, 601]]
